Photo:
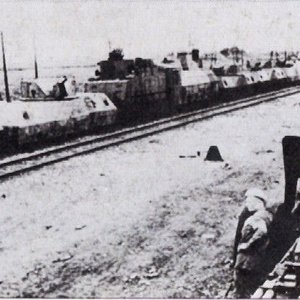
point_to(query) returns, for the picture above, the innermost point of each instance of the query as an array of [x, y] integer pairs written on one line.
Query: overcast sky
[[77, 32]]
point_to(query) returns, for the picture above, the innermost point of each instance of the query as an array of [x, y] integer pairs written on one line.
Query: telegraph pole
[[5, 71], [36, 72]]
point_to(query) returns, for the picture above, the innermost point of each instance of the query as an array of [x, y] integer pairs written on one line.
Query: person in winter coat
[[61, 91], [254, 201], [252, 239]]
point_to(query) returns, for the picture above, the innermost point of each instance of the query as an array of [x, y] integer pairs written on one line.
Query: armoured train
[[141, 89], [126, 91]]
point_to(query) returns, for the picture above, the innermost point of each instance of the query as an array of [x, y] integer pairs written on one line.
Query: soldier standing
[[59, 90], [251, 242], [255, 200]]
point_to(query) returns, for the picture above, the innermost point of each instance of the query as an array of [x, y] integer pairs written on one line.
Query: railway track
[[24, 163]]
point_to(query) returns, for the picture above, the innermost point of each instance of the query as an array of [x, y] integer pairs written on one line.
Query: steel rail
[[34, 161], [101, 137]]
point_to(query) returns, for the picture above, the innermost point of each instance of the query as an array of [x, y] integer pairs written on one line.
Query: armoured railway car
[[43, 114]]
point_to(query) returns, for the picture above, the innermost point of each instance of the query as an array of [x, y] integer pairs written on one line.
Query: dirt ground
[[137, 220]]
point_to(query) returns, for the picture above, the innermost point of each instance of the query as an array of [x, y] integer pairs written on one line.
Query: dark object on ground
[[213, 154], [187, 156], [80, 227]]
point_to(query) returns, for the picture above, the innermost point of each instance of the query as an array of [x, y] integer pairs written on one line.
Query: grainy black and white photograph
[[150, 149]]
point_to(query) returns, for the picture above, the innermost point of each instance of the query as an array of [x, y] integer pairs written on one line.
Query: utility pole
[[5, 71], [36, 71]]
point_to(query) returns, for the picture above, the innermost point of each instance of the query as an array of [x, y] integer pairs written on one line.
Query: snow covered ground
[[137, 220]]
